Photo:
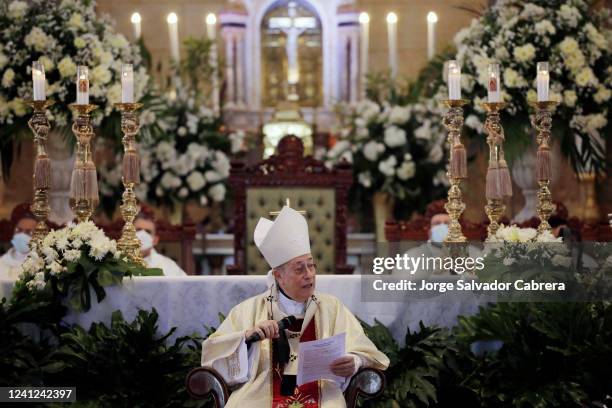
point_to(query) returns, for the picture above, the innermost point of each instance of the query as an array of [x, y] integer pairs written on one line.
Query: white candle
[[172, 20], [543, 81], [127, 83], [38, 81], [82, 85], [136, 19], [364, 20], [211, 26], [454, 80], [432, 19], [494, 84], [392, 37]]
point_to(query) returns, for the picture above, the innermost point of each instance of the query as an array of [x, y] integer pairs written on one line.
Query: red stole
[[305, 396]]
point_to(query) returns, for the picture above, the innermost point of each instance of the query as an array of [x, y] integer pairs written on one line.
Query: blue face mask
[[439, 232], [21, 242]]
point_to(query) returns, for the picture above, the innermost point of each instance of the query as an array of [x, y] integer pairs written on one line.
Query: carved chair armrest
[[202, 382], [367, 383]]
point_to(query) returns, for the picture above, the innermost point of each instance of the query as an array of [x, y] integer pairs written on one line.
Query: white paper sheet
[[315, 357]]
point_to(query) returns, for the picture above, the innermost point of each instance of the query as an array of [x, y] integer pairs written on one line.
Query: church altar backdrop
[[191, 303]]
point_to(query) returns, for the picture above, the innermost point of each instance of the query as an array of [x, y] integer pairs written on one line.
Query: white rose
[[213, 176], [372, 150], [47, 63], [524, 53], [365, 179], [595, 36], [387, 167], [545, 27], [221, 163], [169, 181], [399, 115], [66, 67], [586, 77], [76, 21], [508, 261], [196, 181], [595, 122], [394, 136], [570, 98], [183, 192], [182, 131], [118, 41], [423, 131], [37, 39], [602, 95], [368, 110], [7, 78], [100, 74], [406, 170], [80, 42], [237, 139], [203, 200], [569, 14], [217, 192], [17, 9], [3, 60], [512, 79]]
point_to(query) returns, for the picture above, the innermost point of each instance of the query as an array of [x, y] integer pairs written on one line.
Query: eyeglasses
[[302, 268]]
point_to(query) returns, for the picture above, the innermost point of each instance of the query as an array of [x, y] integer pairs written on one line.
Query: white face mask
[[21, 242], [146, 240], [439, 232]]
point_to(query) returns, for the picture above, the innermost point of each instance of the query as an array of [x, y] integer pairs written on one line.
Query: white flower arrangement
[[74, 260], [189, 161], [573, 37], [62, 35], [395, 148]]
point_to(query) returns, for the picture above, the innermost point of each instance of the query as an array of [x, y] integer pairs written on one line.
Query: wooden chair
[[321, 192], [204, 382], [175, 241]]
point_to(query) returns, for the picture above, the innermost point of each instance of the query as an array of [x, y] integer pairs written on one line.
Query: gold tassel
[[493, 187], [131, 167], [42, 172], [77, 183], [458, 165], [505, 181], [544, 164]]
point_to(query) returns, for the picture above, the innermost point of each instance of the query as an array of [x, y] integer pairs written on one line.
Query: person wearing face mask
[[434, 247], [146, 233], [24, 224]]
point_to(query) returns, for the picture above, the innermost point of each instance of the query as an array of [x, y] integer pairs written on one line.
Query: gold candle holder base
[[40, 126], [542, 122], [84, 185], [129, 244], [453, 121]]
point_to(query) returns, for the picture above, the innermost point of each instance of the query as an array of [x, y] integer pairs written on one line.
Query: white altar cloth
[[193, 302]]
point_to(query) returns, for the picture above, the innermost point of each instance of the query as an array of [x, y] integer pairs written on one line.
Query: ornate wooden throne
[[310, 186]]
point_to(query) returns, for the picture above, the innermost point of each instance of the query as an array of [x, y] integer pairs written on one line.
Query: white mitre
[[283, 239]]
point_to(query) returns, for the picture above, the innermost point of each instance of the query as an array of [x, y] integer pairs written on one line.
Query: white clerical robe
[[167, 265], [10, 264], [226, 352]]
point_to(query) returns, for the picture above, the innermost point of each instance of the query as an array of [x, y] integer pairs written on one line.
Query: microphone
[[283, 324]]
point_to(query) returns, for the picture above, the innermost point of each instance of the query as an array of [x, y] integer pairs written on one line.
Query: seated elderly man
[[265, 371], [434, 247], [146, 232], [24, 224]]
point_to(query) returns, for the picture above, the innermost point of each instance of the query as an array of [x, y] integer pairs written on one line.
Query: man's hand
[[268, 329], [343, 366]]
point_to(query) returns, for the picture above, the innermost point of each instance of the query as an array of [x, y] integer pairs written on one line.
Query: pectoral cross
[[288, 204]]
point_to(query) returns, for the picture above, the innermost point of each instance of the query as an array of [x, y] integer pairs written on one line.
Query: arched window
[[291, 54]]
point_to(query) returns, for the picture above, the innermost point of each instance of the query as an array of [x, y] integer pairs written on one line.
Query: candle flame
[[391, 18], [211, 19], [432, 17], [136, 18], [364, 18], [172, 18]]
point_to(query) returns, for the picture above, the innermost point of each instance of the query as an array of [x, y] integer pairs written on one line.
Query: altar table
[[192, 303]]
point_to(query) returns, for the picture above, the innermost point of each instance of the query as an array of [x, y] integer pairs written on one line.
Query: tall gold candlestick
[[40, 126], [542, 122], [495, 136], [453, 121], [130, 124], [84, 184]]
